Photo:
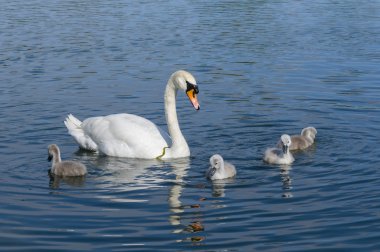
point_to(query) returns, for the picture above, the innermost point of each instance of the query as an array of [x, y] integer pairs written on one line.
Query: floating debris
[[195, 227]]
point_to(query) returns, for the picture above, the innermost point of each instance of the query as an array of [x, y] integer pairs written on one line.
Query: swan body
[[303, 141], [132, 136], [220, 169], [280, 155], [64, 168]]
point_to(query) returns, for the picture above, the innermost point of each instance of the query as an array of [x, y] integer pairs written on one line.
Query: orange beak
[[193, 98]]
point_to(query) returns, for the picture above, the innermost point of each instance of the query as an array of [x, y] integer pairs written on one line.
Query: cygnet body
[[280, 155], [64, 168], [303, 141], [220, 169]]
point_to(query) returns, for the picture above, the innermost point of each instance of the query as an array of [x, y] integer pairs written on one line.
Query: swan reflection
[[179, 168], [115, 176], [120, 171], [125, 174], [192, 225], [135, 174]]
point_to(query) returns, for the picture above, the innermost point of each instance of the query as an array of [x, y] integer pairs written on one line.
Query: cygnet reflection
[[55, 181], [218, 187]]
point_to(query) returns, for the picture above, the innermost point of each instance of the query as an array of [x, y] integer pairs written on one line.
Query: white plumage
[[220, 169], [128, 135], [280, 155]]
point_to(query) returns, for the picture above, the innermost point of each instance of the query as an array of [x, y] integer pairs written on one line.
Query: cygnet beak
[[212, 172], [285, 148]]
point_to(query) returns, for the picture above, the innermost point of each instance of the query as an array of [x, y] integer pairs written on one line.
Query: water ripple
[[263, 68]]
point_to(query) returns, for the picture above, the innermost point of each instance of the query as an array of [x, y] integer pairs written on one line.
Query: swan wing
[[126, 135]]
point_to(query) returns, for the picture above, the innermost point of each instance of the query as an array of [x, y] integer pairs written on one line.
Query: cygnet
[[219, 169], [280, 155], [64, 168], [303, 141]]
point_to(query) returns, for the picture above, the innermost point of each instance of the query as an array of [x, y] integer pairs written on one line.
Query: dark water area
[[264, 68]]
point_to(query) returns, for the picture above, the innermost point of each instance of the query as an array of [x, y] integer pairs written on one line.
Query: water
[[263, 68]]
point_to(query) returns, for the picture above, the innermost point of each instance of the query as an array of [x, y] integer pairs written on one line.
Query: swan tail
[[74, 127], [72, 122]]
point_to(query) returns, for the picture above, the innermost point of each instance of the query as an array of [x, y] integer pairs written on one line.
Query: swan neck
[[179, 143], [56, 158]]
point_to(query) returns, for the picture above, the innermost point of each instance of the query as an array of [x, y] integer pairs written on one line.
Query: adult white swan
[[127, 135]]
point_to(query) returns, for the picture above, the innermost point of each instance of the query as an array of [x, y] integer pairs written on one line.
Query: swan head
[[216, 162], [185, 81], [285, 142], [53, 150]]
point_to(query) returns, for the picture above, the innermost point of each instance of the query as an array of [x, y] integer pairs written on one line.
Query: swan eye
[[196, 89], [191, 86]]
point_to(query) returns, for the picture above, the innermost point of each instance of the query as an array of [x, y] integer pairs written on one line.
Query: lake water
[[264, 68]]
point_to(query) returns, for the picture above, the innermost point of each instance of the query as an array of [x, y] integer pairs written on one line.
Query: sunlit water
[[264, 68]]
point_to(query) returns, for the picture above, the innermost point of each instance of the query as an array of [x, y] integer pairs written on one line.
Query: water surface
[[263, 69]]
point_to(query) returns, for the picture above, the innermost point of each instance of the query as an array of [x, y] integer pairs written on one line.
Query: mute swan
[[220, 169], [280, 155], [64, 168], [300, 142], [128, 135]]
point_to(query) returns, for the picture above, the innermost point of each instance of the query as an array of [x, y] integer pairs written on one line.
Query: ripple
[[264, 69]]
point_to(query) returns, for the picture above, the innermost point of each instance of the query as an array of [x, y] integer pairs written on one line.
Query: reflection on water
[[55, 181], [263, 67], [178, 209], [123, 171], [286, 182], [180, 168], [218, 186], [124, 174]]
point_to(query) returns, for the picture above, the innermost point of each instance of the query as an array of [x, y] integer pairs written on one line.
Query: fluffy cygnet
[[280, 155], [300, 142], [64, 168], [219, 169]]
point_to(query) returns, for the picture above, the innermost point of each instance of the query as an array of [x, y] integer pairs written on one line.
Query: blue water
[[264, 68]]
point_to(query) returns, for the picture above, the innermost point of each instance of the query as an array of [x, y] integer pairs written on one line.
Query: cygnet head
[[53, 151], [285, 142], [185, 81], [216, 162]]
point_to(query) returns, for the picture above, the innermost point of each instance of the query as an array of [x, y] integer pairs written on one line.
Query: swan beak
[[50, 157], [193, 98]]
